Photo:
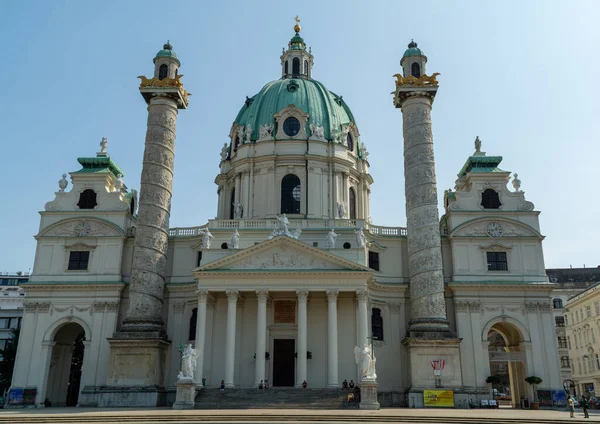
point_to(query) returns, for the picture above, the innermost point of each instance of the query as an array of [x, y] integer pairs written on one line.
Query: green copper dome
[[167, 51], [323, 107], [413, 50]]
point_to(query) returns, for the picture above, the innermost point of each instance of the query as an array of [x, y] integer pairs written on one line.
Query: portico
[[278, 312]]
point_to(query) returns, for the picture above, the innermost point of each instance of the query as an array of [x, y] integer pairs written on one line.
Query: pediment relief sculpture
[[283, 258], [495, 228], [82, 228]]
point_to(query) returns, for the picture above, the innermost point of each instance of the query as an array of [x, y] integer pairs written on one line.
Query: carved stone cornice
[[537, 306], [39, 307], [462, 306]]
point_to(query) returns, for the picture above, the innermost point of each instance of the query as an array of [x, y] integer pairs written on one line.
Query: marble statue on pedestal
[[235, 240], [238, 210], [188, 362], [331, 238], [206, 239], [360, 237], [366, 360], [103, 145]]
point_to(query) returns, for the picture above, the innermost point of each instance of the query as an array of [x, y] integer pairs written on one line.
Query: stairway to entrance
[[294, 398]]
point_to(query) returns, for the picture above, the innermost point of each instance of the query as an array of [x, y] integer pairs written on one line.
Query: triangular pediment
[[282, 254]]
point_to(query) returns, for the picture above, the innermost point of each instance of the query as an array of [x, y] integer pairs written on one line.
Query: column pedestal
[[368, 394], [186, 394], [421, 352]]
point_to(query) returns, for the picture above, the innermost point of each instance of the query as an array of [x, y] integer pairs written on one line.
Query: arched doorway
[[64, 377], [507, 362]]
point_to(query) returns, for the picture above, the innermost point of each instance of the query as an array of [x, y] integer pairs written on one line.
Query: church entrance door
[[283, 362]]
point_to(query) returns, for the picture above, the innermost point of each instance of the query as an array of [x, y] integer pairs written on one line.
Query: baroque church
[[292, 274]]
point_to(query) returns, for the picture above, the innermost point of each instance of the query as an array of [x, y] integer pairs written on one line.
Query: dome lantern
[[296, 62], [413, 61], [166, 63]]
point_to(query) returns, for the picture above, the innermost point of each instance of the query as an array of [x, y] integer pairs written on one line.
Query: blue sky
[[522, 75]]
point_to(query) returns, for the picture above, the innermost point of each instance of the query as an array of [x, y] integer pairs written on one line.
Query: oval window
[[291, 126]]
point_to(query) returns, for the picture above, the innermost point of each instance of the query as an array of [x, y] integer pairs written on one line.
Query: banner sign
[[15, 396], [29, 396], [438, 364], [438, 398], [559, 398]]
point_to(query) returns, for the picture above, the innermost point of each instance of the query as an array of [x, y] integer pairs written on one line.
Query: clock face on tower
[[494, 229]]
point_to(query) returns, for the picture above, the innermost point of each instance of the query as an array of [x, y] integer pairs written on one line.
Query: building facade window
[[562, 342], [306, 67], [568, 342], [557, 303], [496, 261], [560, 321], [198, 258], [231, 203], [290, 194], [193, 319], [87, 199], [79, 261], [295, 67], [163, 72], [597, 307], [415, 70], [350, 142], [352, 203], [564, 362], [376, 324], [374, 260], [588, 311], [286, 67], [291, 126], [490, 199]]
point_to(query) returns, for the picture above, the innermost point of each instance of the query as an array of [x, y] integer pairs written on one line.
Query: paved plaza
[[396, 415]]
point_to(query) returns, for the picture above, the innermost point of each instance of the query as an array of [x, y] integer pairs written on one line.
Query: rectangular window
[[560, 321], [78, 260], [374, 260], [588, 311], [597, 306], [198, 258], [4, 322], [562, 342], [496, 261]]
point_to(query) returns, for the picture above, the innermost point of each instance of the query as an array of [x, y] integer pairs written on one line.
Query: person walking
[[571, 404], [585, 405]]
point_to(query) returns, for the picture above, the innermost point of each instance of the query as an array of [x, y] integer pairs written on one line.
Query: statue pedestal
[[368, 394], [186, 393]]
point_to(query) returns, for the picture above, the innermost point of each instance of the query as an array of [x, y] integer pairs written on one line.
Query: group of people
[[584, 403], [263, 385], [354, 391]]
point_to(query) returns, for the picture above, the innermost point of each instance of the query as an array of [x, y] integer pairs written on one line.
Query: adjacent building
[[580, 328]]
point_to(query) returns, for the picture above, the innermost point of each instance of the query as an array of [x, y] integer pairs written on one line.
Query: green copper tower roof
[[412, 50], [99, 164], [481, 164], [167, 51], [324, 108]]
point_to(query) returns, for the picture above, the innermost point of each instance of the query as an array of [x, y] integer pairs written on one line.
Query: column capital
[[202, 295], [263, 295], [232, 295], [302, 295], [362, 295], [332, 295]]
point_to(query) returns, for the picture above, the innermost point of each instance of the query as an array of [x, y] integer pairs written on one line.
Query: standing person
[[571, 404], [585, 405]]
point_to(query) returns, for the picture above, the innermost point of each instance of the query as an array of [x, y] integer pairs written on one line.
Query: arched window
[[163, 72], [557, 303], [564, 362], [352, 203], [350, 142], [286, 67], [132, 206], [193, 319], [232, 201], [377, 324], [237, 143], [306, 67], [87, 199], [290, 194], [415, 70], [490, 199], [295, 67]]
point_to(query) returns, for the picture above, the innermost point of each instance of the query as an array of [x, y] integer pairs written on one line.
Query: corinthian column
[[200, 335], [261, 336], [301, 364], [232, 298], [332, 339], [424, 247]]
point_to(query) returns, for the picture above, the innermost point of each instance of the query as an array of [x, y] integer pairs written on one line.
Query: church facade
[[292, 274]]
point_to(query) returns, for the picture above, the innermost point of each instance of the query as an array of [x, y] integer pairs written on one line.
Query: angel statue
[[189, 358], [360, 237], [206, 239], [366, 360], [235, 240], [331, 237]]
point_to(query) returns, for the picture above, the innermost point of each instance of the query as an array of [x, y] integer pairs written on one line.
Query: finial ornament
[[477, 144], [516, 182], [297, 27], [63, 183], [103, 145]]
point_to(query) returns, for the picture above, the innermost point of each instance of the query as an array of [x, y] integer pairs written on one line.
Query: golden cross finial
[[297, 27]]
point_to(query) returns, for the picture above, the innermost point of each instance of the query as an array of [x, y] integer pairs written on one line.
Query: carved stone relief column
[[428, 307], [301, 361], [232, 298]]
